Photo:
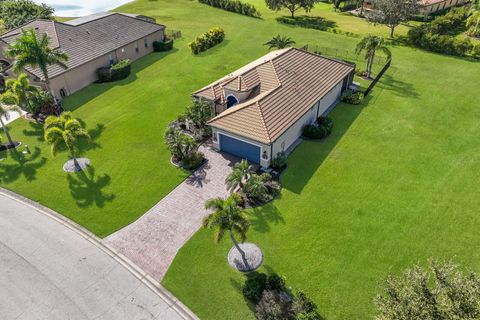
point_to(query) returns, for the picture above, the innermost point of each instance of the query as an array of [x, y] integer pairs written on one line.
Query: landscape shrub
[[476, 51], [273, 305], [254, 285], [317, 23], [438, 35], [207, 40], [115, 72], [279, 161], [193, 160], [361, 72], [352, 97], [319, 130], [236, 6], [162, 46]]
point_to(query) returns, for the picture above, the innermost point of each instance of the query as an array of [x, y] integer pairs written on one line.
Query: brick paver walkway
[[152, 241]]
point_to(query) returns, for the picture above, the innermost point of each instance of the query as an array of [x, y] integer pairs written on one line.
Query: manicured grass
[[396, 183]]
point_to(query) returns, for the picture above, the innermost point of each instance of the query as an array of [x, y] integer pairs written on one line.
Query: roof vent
[[88, 32]]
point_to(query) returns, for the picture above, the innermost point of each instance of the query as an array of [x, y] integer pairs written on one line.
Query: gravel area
[[83, 163], [252, 259]]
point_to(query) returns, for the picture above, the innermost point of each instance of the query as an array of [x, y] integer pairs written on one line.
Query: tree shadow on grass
[[303, 163], [94, 90], [36, 130], [261, 218], [398, 87], [26, 165], [87, 188]]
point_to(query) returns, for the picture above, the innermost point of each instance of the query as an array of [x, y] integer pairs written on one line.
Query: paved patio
[[152, 241]]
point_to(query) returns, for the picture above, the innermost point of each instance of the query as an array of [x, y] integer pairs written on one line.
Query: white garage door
[[330, 98]]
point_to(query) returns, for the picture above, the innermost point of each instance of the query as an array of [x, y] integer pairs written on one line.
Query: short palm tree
[[255, 188], [34, 52], [22, 89], [64, 131], [8, 104], [228, 217], [280, 42], [241, 173], [370, 44]]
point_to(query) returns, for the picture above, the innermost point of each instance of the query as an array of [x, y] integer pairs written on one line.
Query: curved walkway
[[152, 241], [53, 269]]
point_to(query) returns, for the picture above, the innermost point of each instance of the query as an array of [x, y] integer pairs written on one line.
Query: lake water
[[78, 8]]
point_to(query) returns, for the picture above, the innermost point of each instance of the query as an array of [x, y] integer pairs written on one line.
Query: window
[[63, 93], [136, 46], [111, 59], [145, 41]]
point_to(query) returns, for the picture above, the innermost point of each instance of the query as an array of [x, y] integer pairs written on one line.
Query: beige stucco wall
[[440, 6], [84, 75]]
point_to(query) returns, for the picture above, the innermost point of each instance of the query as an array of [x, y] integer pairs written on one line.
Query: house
[[90, 42], [262, 108], [425, 7]]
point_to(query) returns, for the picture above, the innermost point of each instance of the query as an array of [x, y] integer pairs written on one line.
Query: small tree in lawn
[[370, 44], [228, 217], [291, 5], [199, 112], [392, 12], [65, 132], [241, 173], [7, 105], [441, 292], [279, 42]]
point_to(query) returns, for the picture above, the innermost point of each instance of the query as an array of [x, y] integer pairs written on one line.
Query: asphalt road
[[49, 271]]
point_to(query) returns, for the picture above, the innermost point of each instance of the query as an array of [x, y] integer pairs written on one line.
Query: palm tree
[[241, 173], [64, 131], [7, 105], [473, 21], [227, 217], [34, 52], [22, 89], [255, 188], [280, 42], [370, 44]]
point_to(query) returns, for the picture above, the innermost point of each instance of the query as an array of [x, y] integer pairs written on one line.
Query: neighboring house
[[90, 42], [425, 7], [263, 107]]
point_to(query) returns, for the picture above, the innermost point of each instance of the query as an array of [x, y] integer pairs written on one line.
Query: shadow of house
[[89, 93], [87, 188], [26, 166], [296, 177]]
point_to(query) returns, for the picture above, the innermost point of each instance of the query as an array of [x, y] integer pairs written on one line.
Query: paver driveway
[[50, 270], [152, 241]]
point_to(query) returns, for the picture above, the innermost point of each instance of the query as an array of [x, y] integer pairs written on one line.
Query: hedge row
[[317, 23], [115, 72], [439, 35], [161, 46], [207, 40], [234, 6]]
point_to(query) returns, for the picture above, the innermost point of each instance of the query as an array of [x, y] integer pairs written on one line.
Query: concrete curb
[[151, 283]]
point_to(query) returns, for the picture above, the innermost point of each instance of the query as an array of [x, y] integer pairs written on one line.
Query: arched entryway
[[231, 101]]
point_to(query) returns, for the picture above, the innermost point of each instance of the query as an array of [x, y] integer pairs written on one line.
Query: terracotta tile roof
[[291, 82], [88, 40]]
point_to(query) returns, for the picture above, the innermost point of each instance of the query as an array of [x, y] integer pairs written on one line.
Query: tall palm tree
[[280, 42], [64, 131], [370, 44], [34, 52], [241, 173], [22, 89], [7, 105], [228, 217]]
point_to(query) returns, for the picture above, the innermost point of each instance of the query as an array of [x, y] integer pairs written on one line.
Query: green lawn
[[396, 183]]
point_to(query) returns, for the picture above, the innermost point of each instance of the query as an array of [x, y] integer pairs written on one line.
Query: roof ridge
[[263, 121]]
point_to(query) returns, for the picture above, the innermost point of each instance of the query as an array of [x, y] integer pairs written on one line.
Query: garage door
[[240, 148]]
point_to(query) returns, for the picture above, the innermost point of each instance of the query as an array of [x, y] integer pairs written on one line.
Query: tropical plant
[[21, 88], [8, 104], [441, 292], [473, 24], [291, 5], [392, 12], [40, 99], [65, 131], [279, 42], [370, 44], [228, 217], [180, 144], [241, 173], [198, 113], [255, 188], [30, 50], [15, 13]]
